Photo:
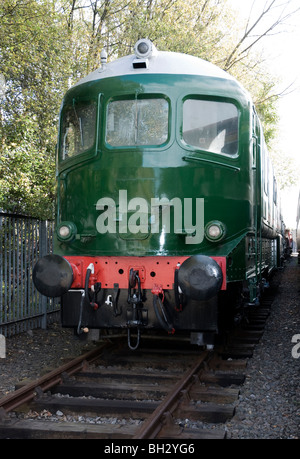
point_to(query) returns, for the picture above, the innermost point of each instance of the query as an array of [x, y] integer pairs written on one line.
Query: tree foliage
[[35, 64], [46, 45]]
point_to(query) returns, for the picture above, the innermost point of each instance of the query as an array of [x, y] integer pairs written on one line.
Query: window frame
[[218, 99], [133, 97], [91, 148]]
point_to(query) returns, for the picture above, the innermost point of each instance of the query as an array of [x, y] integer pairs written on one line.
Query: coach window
[[78, 128], [137, 122], [211, 125]]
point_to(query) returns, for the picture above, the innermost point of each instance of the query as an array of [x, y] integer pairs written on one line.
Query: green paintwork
[[230, 186]]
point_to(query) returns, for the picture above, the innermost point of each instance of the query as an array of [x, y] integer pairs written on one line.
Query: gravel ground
[[269, 402], [33, 353]]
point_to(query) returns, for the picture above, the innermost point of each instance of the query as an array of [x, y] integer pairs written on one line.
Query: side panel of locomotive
[[266, 248], [160, 198]]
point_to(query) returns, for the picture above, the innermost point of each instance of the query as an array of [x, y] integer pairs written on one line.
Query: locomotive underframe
[[193, 316], [137, 293], [152, 303]]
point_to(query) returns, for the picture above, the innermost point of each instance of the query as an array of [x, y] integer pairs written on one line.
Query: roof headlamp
[[144, 48]]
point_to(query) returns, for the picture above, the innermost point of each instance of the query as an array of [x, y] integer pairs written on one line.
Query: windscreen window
[[137, 122], [211, 126], [78, 128]]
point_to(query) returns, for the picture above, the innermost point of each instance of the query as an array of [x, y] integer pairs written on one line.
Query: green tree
[[34, 59]]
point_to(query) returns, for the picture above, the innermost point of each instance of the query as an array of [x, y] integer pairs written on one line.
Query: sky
[[283, 59]]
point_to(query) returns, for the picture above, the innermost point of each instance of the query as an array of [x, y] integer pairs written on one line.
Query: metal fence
[[23, 240]]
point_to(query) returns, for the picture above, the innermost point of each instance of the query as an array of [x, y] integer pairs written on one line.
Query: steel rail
[[151, 426], [29, 391]]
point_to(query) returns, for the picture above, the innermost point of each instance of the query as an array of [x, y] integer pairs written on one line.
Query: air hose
[[84, 294], [79, 330], [87, 279], [162, 318]]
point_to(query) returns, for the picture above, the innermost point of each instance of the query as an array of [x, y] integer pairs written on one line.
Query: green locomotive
[[167, 202]]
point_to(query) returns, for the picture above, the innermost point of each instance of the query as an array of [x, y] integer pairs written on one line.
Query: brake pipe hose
[[163, 321]]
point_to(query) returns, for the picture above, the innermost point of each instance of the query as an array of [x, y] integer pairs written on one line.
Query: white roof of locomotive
[[161, 62]]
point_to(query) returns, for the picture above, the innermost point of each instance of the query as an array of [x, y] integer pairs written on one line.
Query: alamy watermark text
[[138, 216]]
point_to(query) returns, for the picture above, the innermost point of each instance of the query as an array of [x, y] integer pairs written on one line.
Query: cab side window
[[78, 128]]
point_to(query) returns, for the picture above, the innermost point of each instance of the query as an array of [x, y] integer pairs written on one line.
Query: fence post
[[43, 244], [2, 347]]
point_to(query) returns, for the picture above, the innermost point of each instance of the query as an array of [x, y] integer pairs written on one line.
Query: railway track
[[154, 392]]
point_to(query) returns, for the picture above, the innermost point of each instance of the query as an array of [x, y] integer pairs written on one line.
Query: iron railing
[[23, 240]]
